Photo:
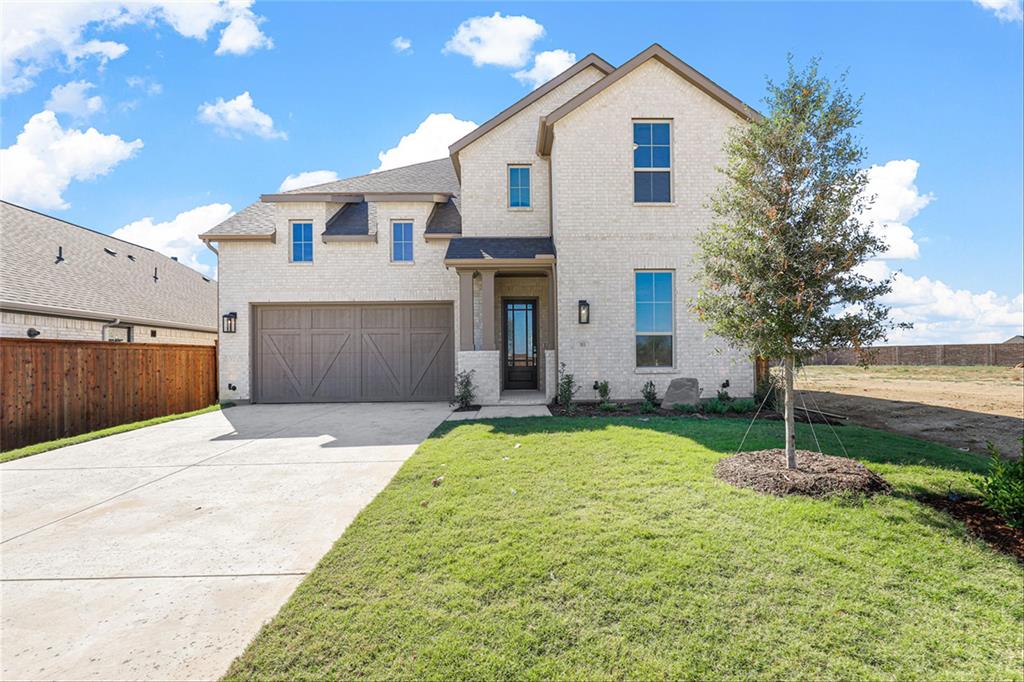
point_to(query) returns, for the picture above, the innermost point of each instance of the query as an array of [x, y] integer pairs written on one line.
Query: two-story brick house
[[560, 231]]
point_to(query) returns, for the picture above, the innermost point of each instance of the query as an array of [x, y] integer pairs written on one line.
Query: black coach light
[[584, 312], [230, 320]]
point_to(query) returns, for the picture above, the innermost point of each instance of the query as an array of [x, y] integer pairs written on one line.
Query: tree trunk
[[790, 401]]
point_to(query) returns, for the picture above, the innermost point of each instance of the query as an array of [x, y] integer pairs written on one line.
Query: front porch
[[508, 331]]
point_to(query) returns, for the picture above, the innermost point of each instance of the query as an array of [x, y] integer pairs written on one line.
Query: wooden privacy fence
[[1000, 354], [53, 389]]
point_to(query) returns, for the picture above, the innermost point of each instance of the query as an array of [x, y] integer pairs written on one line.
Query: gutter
[[95, 315]]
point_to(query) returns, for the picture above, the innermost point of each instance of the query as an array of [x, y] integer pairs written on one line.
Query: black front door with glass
[[520, 349]]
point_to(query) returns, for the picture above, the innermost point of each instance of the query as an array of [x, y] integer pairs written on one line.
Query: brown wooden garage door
[[349, 353]]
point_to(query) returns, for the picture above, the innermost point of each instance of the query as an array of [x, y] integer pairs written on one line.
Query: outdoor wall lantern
[[230, 320], [32, 332], [584, 312]]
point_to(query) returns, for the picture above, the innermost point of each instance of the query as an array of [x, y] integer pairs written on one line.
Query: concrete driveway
[[159, 553]]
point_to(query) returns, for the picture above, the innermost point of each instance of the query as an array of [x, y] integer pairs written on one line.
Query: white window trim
[[671, 163], [291, 241], [655, 369], [391, 242], [508, 195]]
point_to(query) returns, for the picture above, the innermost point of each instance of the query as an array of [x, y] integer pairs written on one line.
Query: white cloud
[[546, 66], [243, 35], [35, 36], [72, 98], [239, 116], [45, 158], [941, 314], [401, 44], [307, 179], [150, 86], [897, 201], [429, 141], [1005, 10], [178, 237], [498, 40]]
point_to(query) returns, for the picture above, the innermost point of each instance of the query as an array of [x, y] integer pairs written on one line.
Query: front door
[[520, 344]]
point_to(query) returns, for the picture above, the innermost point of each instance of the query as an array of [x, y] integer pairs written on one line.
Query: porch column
[[487, 305], [552, 310], [466, 310]]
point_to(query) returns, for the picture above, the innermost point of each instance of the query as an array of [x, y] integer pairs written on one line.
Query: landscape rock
[[685, 391]]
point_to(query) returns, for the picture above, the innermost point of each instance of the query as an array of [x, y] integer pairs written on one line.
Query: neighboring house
[[63, 281], [1015, 339], [560, 231]]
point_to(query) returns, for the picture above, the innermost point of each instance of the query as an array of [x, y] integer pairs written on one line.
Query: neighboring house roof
[[500, 248], [437, 177], [545, 137], [478, 132], [98, 276], [1015, 339]]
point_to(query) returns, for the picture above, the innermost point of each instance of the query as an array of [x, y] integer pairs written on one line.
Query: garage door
[[349, 353]]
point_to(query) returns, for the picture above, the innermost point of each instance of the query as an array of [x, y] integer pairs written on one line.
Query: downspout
[[211, 247], [107, 325]]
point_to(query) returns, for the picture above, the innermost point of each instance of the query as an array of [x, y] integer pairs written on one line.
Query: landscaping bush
[[768, 391], [603, 390], [716, 406], [465, 391], [567, 388], [1002, 489], [649, 393], [608, 407], [685, 408], [743, 405], [723, 395]]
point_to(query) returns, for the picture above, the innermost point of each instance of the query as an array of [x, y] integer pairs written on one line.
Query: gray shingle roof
[[430, 176], [499, 247], [352, 219], [255, 219], [91, 280], [445, 218]]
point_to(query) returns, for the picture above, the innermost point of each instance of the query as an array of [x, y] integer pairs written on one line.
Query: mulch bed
[[816, 475], [981, 522], [634, 409]]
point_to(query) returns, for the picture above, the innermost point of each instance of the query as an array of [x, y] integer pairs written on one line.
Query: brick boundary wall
[[997, 354]]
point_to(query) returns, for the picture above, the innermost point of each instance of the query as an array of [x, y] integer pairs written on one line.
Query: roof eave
[[539, 259], [210, 237], [58, 311]]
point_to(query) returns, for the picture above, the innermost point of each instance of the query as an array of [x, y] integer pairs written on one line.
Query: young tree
[[778, 267]]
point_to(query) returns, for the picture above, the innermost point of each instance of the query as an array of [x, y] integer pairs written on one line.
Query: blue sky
[[328, 90]]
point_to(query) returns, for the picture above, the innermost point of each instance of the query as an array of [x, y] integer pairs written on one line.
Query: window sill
[[304, 263], [654, 370], [402, 263], [520, 209], [654, 204]]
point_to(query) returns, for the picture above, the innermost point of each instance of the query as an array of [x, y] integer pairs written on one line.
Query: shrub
[[1002, 489], [649, 392], [686, 408], [567, 388], [603, 390], [743, 405], [608, 407], [465, 391], [716, 406], [647, 407]]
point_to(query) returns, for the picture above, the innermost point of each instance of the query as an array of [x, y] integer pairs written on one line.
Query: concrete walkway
[[159, 553]]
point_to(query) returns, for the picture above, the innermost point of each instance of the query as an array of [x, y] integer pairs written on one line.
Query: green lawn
[[38, 448], [604, 548]]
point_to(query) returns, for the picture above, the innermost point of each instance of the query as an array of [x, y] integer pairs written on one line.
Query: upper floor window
[[519, 187], [302, 242], [401, 242], [654, 311], [652, 162]]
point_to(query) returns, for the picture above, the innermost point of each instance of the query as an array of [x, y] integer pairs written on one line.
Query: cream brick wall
[[484, 163], [252, 272], [601, 237], [16, 324], [484, 365]]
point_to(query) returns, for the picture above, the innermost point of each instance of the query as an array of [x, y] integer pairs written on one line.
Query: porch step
[[522, 398]]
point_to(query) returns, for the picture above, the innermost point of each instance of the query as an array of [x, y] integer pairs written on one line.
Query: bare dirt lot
[[957, 406]]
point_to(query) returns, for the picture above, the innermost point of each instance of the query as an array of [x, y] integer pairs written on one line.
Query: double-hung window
[[519, 187], [302, 242], [652, 162], [401, 242], [654, 311]]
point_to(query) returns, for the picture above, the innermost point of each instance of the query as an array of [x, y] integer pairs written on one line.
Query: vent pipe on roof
[[155, 278], [60, 255], [174, 258]]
